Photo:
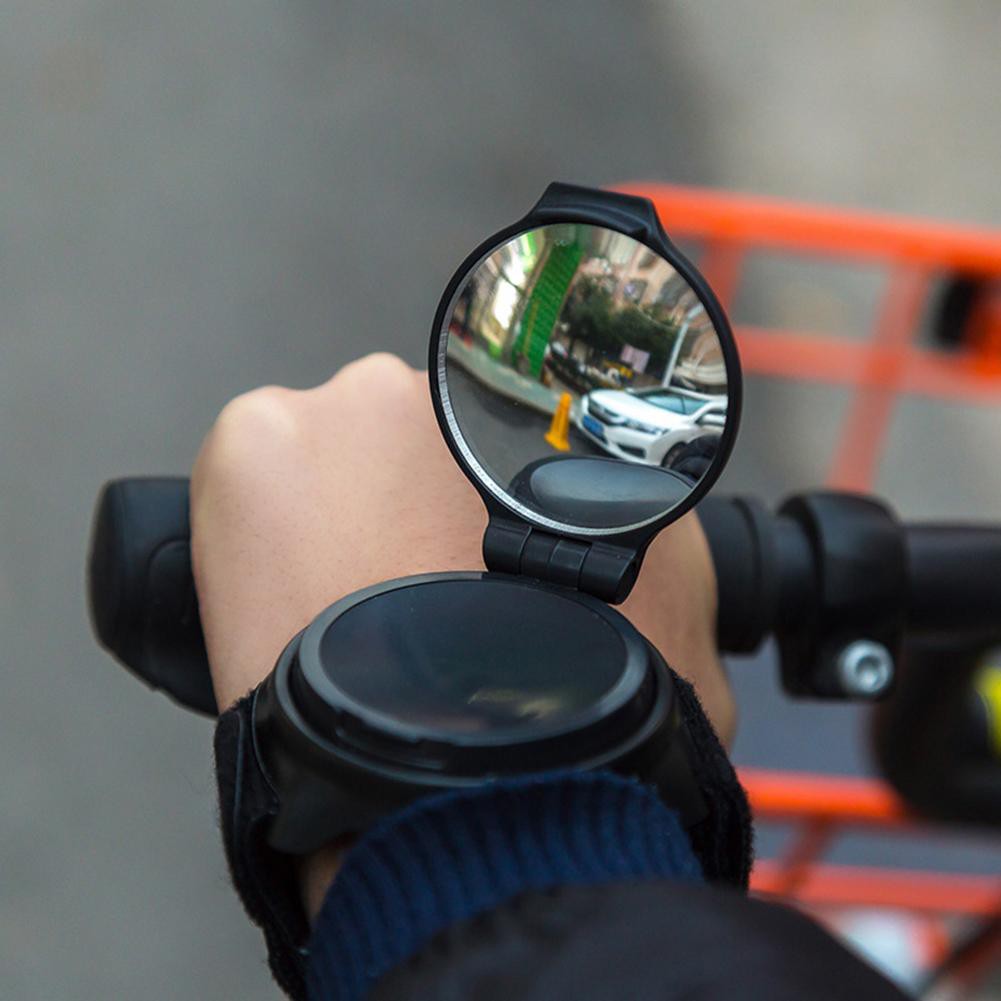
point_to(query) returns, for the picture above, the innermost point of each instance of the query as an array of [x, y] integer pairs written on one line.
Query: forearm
[[648, 940]]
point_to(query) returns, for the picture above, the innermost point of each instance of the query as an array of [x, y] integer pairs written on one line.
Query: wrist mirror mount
[[586, 381]]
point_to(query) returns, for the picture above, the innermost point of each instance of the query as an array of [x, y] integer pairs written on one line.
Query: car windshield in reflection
[[675, 401]]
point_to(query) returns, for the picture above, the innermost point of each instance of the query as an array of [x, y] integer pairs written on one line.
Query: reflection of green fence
[[544, 304]]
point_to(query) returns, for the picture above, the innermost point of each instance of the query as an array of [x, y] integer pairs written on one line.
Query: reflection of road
[[505, 435]]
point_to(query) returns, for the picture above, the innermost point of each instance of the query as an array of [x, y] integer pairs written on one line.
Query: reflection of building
[[587, 306], [701, 365], [633, 274], [552, 281], [496, 291], [520, 290]]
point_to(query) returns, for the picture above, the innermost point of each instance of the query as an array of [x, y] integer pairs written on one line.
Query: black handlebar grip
[[765, 570], [140, 589], [745, 571], [954, 581]]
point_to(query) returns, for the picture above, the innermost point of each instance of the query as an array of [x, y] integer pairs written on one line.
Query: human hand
[[299, 497]]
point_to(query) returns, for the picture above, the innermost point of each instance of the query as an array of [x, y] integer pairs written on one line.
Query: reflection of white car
[[649, 425]]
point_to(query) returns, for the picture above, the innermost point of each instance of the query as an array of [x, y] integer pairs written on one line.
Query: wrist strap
[[265, 879], [724, 840]]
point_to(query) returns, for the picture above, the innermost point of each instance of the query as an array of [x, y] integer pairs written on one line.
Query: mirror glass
[[582, 378]]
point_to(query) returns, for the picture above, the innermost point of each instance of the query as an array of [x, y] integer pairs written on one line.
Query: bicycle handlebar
[[825, 572], [955, 578], [768, 574]]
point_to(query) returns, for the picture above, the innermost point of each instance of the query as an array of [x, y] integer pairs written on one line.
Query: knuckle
[[382, 370], [249, 428], [255, 411], [381, 378]]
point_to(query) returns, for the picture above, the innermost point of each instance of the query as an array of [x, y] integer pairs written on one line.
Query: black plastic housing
[[860, 554], [619, 552], [827, 570], [339, 776]]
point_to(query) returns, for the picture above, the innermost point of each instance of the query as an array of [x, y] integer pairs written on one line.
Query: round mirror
[[583, 379]]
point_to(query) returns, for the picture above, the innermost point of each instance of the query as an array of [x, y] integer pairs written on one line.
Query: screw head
[[865, 669]]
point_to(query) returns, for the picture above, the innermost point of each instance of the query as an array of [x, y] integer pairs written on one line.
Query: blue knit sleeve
[[453, 855]]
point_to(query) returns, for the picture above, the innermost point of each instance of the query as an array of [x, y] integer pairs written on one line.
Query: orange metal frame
[[888, 364], [878, 370], [819, 807]]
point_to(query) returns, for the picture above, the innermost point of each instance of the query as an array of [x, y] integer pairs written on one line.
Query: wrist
[[317, 872]]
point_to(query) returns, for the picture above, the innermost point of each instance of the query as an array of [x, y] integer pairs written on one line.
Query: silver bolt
[[865, 669]]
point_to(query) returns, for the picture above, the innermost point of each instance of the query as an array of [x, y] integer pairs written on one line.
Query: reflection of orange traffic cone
[[559, 428]]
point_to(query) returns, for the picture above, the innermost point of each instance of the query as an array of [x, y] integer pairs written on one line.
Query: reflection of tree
[[588, 314], [593, 318], [635, 327]]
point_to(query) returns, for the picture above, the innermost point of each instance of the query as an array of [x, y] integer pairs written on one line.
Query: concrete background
[[202, 197]]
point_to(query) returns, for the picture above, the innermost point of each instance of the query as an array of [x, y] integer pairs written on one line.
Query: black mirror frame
[[637, 218]]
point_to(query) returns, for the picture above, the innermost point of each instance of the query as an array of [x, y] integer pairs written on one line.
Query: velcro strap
[[265, 879]]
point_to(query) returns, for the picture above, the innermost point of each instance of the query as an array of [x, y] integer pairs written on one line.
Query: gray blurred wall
[[202, 197]]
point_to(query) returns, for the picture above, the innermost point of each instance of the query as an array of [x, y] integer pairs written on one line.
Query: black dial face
[[451, 658]]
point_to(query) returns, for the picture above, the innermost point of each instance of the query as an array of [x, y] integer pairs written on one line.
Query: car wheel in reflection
[[673, 454]]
